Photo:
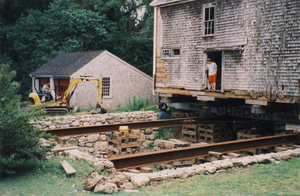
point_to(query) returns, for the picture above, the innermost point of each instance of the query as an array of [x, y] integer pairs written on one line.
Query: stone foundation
[[97, 144]]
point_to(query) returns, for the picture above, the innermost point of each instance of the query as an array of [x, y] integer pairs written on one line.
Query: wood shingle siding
[[259, 41]]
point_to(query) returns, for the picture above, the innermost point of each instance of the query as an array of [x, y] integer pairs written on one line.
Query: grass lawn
[[269, 179]]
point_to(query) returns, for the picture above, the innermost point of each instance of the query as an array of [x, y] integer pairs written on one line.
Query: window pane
[[106, 86], [209, 24], [212, 13], [206, 14], [176, 51], [166, 52]]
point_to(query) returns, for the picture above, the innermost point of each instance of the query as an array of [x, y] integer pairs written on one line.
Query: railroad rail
[[133, 125], [152, 158]]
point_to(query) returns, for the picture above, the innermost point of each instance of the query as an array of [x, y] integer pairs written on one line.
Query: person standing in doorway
[[162, 110], [212, 73]]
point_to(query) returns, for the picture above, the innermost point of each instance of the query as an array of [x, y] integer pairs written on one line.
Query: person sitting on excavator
[[46, 89]]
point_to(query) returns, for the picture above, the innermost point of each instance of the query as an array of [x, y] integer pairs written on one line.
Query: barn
[[121, 81], [255, 44]]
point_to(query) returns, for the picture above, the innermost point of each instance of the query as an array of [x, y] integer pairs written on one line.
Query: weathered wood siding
[[126, 82], [268, 31]]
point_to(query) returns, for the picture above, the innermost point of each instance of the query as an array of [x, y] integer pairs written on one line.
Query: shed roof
[[67, 63], [168, 2]]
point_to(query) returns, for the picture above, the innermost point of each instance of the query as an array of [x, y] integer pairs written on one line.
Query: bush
[[19, 140], [165, 133]]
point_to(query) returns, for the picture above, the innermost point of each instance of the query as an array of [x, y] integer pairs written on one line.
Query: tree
[[19, 140], [32, 34], [134, 40], [64, 27]]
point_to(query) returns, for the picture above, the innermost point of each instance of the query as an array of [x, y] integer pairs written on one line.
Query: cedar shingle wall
[[125, 82], [269, 30]]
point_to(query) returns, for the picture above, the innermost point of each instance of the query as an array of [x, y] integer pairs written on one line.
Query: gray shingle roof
[[67, 63]]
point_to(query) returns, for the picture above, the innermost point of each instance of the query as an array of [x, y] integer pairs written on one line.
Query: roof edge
[[169, 3], [130, 66]]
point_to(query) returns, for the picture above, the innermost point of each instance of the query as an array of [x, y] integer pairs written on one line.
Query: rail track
[[133, 125], [196, 151], [162, 156]]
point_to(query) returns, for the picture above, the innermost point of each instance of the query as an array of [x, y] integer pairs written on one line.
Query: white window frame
[[209, 21], [109, 90], [167, 53]]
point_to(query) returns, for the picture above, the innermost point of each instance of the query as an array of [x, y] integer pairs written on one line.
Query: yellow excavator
[[59, 106]]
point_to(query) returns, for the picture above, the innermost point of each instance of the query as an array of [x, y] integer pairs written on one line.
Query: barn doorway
[[217, 58]]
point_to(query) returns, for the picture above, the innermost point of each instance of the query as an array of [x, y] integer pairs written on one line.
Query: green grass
[[48, 180], [270, 179], [135, 104]]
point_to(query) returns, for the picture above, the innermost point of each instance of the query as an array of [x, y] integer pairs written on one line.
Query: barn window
[[209, 20], [106, 89], [175, 52], [166, 52], [171, 52]]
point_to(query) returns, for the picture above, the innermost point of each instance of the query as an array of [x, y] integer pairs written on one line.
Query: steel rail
[[133, 125], [152, 158]]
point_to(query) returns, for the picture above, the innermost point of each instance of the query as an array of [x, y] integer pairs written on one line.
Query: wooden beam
[[67, 167], [206, 98], [64, 148], [256, 102], [177, 91]]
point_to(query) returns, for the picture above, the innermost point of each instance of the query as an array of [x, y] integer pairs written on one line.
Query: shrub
[[165, 133], [19, 140]]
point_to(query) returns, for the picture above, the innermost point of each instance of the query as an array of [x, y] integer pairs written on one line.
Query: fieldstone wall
[[97, 144]]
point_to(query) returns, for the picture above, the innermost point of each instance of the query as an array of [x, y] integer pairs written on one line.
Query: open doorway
[[217, 58]]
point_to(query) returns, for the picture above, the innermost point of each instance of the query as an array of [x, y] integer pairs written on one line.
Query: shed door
[[61, 86]]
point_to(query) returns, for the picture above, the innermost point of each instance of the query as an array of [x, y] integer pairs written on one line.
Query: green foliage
[[150, 145], [165, 133], [51, 177], [64, 27], [19, 140], [136, 104], [35, 32]]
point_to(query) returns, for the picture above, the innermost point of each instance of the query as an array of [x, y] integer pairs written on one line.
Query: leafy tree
[[64, 27], [134, 40], [19, 140], [33, 33], [11, 10]]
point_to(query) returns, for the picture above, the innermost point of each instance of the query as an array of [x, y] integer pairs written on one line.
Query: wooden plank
[[205, 98], [67, 167], [177, 91], [256, 102], [213, 153], [64, 148], [146, 170], [197, 92]]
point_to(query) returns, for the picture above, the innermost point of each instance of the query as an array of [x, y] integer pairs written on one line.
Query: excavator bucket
[[98, 110]]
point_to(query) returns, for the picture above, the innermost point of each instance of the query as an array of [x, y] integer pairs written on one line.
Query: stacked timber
[[261, 129], [213, 132], [190, 133], [170, 144], [122, 143]]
